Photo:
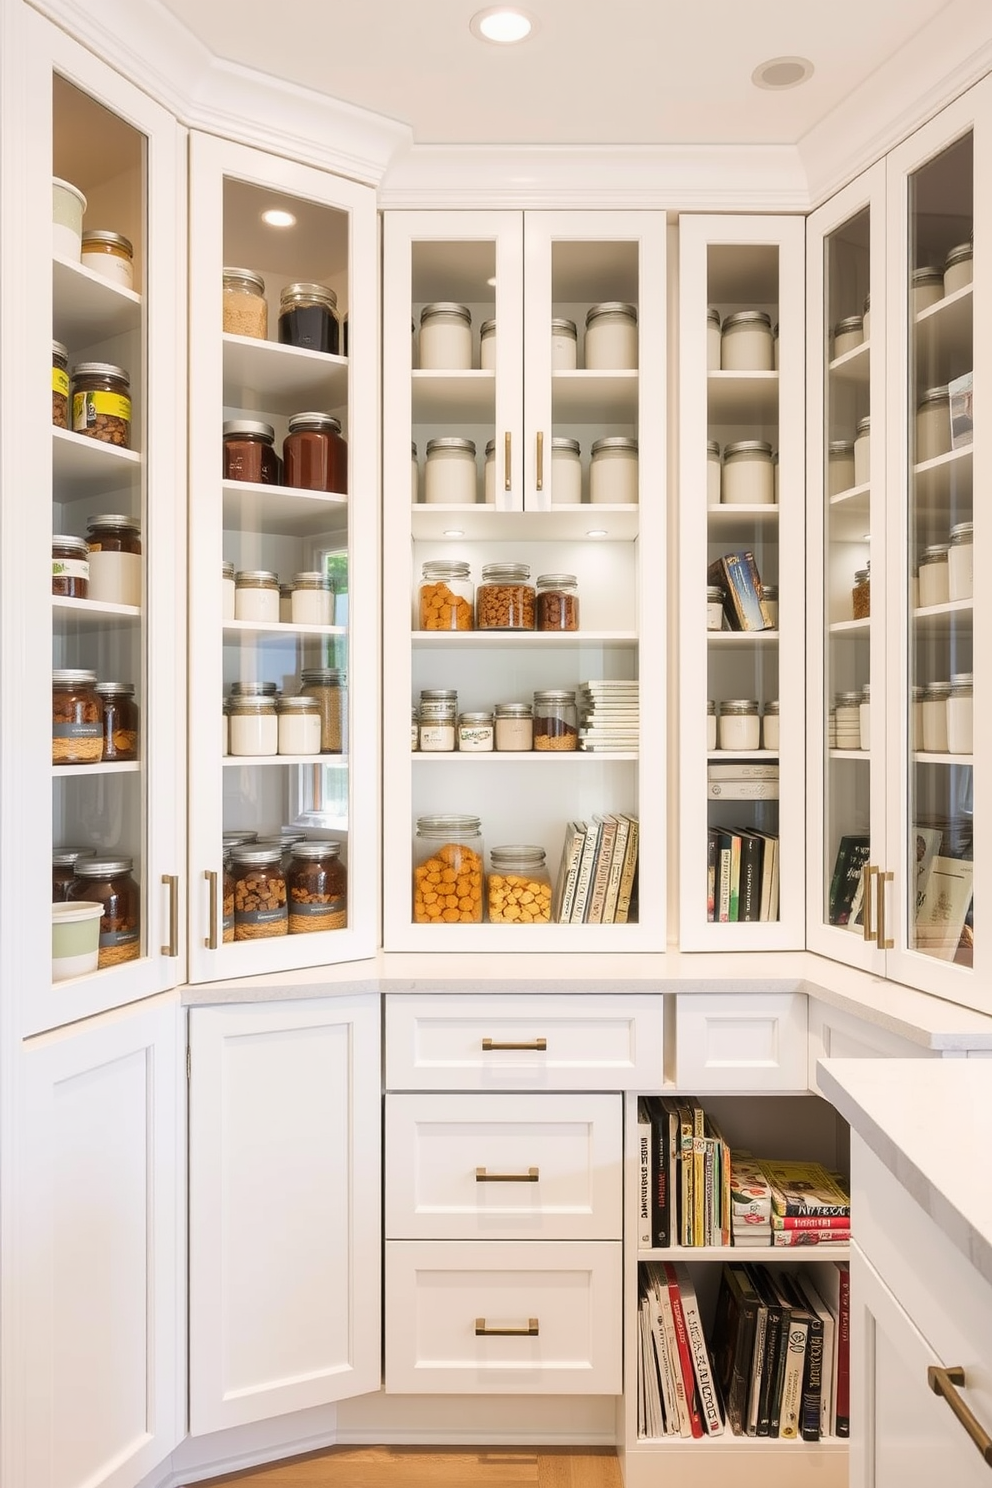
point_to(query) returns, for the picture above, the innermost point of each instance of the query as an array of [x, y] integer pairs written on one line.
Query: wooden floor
[[431, 1467]]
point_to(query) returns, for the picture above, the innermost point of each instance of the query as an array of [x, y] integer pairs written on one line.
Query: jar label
[[70, 568], [262, 916], [316, 910], [60, 382], [77, 731], [111, 938], [475, 738], [87, 409]]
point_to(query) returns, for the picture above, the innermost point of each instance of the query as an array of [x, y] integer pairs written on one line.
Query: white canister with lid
[[613, 471], [933, 424], [960, 562], [312, 600], [566, 472], [714, 473], [109, 254], [958, 266], [848, 333], [564, 346], [710, 723], [256, 598], [254, 727], [865, 716], [748, 475], [611, 337], [739, 724], [769, 727], [487, 346], [714, 607], [227, 581], [445, 337], [848, 720], [746, 342], [298, 720], [862, 451], [934, 571], [68, 206], [712, 340], [935, 699], [926, 287], [960, 714], [450, 475], [840, 466]]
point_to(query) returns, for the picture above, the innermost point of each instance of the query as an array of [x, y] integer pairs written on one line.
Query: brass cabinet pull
[[507, 482], [531, 1176], [171, 881], [482, 1331], [210, 941], [866, 876], [880, 940], [540, 459], [942, 1382], [537, 1045]]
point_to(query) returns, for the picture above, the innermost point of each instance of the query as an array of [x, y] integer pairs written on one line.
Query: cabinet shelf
[[924, 758], [605, 397], [936, 481], [729, 639], [943, 330], [851, 629], [742, 524], [849, 754], [527, 757], [282, 629], [91, 615], [283, 510], [938, 622], [454, 397], [739, 756], [573, 640], [83, 467], [854, 366], [742, 397], [292, 377], [330, 761], [86, 307], [776, 1253], [849, 514], [560, 524], [112, 767]]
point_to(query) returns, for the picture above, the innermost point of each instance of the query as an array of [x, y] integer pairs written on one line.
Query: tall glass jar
[[317, 885], [933, 424], [448, 873], [114, 543], [770, 734], [245, 312], [77, 718], [746, 342], [253, 726], [862, 451], [260, 910], [848, 720], [438, 718], [739, 724], [927, 287], [475, 733], [611, 337], [487, 346], [64, 860], [249, 453], [557, 602], [848, 333], [861, 594], [935, 699], [308, 318], [505, 598], [840, 466], [256, 596], [312, 599], [446, 596], [934, 575], [445, 337], [518, 890], [960, 714], [315, 454], [70, 566], [748, 476], [556, 724], [227, 901], [108, 880], [957, 267], [298, 720], [120, 720], [327, 685]]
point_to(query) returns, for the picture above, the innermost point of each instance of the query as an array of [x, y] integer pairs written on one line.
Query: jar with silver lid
[[70, 566], [308, 318], [960, 714], [227, 591], [916, 719], [714, 607], [109, 254], [712, 340], [866, 317], [748, 477], [64, 860], [840, 466], [848, 333], [557, 602], [120, 721], [77, 717], [556, 724], [746, 342], [957, 267], [611, 337], [487, 346], [450, 475], [514, 727], [489, 474], [933, 424], [739, 724], [864, 716], [445, 337], [714, 473], [518, 889], [313, 599], [505, 599], [769, 593], [256, 596], [448, 870], [934, 575], [475, 733], [960, 562], [862, 451], [114, 541], [285, 604], [926, 287], [327, 685], [710, 723], [414, 477], [861, 594], [317, 887], [108, 881], [414, 730], [848, 720], [613, 471], [564, 345], [769, 727], [299, 725], [438, 715], [254, 689], [245, 312], [935, 699], [254, 727], [775, 347], [566, 472], [446, 597], [315, 453], [260, 908]]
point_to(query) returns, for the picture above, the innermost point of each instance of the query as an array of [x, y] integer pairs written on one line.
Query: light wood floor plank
[[428, 1467]]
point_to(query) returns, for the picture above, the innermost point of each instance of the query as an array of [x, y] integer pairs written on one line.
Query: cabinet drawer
[[508, 1319], [485, 1167], [524, 1043], [835, 1034], [728, 1042]]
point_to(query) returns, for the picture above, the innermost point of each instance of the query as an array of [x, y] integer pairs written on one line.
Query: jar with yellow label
[[101, 403], [60, 385]]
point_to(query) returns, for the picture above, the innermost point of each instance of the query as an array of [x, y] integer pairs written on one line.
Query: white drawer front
[[755, 1042], [508, 1319], [524, 1043], [493, 1167]]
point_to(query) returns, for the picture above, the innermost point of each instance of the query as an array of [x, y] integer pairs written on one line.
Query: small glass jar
[[564, 345], [769, 593], [475, 733], [518, 890], [960, 714], [566, 471], [960, 562], [445, 338], [308, 318], [714, 607], [611, 337], [254, 727], [317, 888], [848, 720], [513, 727], [245, 310], [934, 575], [739, 724], [227, 589], [60, 385], [327, 685], [935, 699], [249, 453], [862, 451], [450, 474], [64, 860], [848, 333], [77, 718], [748, 477], [746, 342], [613, 471], [712, 340], [448, 874], [556, 721], [260, 910], [710, 723], [298, 719], [414, 731], [489, 474], [487, 346], [108, 881], [227, 901], [769, 727], [438, 717], [414, 477], [114, 543], [505, 598], [557, 602], [313, 599], [840, 466], [926, 287], [916, 718], [108, 254], [120, 721], [101, 403], [866, 317], [314, 454], [714, 473], [237, 837], [446, 596], [70, 566], [933, 424], [864, 716], [958, 266], [256, 596], [861, 594]]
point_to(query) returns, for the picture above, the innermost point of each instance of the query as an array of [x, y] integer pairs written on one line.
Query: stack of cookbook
[[609, 715]]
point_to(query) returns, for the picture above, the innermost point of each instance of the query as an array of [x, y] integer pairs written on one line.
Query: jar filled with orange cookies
[[448, 873], [446, 597], [518, 889]]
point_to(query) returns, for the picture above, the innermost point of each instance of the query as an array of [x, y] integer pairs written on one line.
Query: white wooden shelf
[[273, 378], [572, 640], [454, 397], [523, 756], [924, 757], [849, 514], [283, 510], [834, 1251], [599, 523], [109, 767], [603, 397], [283, 630], [728, 639], [854, 366], [91, 615], [87, 307], [83, 467], [332, 761], [851, 629]]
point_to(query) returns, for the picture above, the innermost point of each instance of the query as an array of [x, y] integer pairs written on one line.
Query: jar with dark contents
[[505, 598], [70, 566], [308, 317], [556, 724], [114, 541], [64, 860], [108, 881], [557, 602], [315, 456], [77, 718], [60, 385], [327, 685], [317, 885], [227, 900], [249, 453], [101, 403], [259, 893], [120, 720]]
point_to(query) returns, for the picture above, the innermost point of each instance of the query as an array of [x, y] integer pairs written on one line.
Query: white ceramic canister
[[934, 575], [299, 725], [933, 424], [611, 337], [848, 720], [450, 475], [445, 337], [564, 346], [848, 333], [769, 593], [960, 562], [960, 714], [935, 699], [487, 346], [926, 287], [489, 474], [746, 342], [714, 473], [710, 724], [227, 592], [68, 206], [840, 466], [958, 266], [613, 471], [866, 318], [862, 451], [256, 597], [414, 476], [714, 607], [864, 716], [739, 724], [566, 472], [313, 599], [712, 340], [769, 727], [254, 727], [748, 476]]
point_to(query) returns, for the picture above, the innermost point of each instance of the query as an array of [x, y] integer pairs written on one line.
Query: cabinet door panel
[[741, 1043]]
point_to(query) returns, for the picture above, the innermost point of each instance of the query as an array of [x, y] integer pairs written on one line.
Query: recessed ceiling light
[[501, 24], [596, 532], [453, 532], [782, 72], [276, 217]]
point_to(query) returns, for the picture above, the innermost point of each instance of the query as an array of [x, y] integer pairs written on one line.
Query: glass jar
[[114, 543], [260, 910], [611, 337], [714, 607], [249, 453], [556, 721], [960, 714], [64, 860], [934, 575], [308, 318], [414, 730], [438, 715], [227, 590], [746, 342], [70, 566], [101, 403], [513, 727], [245, 310], [475, 733], [505, 598], [840, 466], [253, 726], [237, 837], [935, 700], [960, 562], [450, 474], [108, 881], [448, 870], [256, 596], [848, 720], [489, 474], [487, 346], [317, 886], [613, 471], [327, 685], [566, 472], [518, 890], [832, 728], [748, 477], [862, 451], [769, 593], [739, 724], [864, 716], [446, 596], [298, 719], [120, 720], [445, 337], [848, 333], [710, 723], [557, 602], [60, 385], [108, 254], [712, 340], [314, 454], [254, 689], [957, 267], [227, 901], [285, 604], [933, 424], [926, 287], [770, 727], [564, 345], [77, 718], [714, 473], [414, 477], [861, 594], [775, 347], [312, 600], [916, 718]]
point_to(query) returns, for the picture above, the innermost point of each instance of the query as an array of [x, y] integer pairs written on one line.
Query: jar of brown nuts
[[101, 403], [556, 724], [108, 881], [77, 718], [557, 602], [318, 887], [259, 893], [505, 598]]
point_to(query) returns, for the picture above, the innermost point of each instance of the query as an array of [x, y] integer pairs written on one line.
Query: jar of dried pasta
[[108, 881], [446, 595], [318, 888], [518, 890], [260, 910], [448, 870], [77, 718]]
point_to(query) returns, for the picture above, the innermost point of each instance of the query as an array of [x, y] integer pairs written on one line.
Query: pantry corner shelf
[[83, 467], [293, 377], [283, 510], [88, 307], [854, 366]]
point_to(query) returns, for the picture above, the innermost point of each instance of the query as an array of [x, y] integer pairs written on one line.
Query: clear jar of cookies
[[448, 870], [518, 890], [445, 599], [505, 598]]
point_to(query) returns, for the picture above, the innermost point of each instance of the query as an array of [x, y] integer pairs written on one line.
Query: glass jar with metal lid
[[714, 607], [327, 685], [109, 254], [253, 725], [312, 599], [746, 342], [101, 403], [475, 733], [566, 471], [960, 714], [861, 594], [933, 424], [260, 910], [848, 333], [847, 707], [438, 716], [114, 543], [227, 900], [518, 890], [249, 452], [60, 385], [770, 735], [513, 727], [840, 466], [739, 724], [960, 562], [64, 860], [236, 837], [487, 346], [70, 566], [957, 267], [446, 596], [448, 859], [120, 720], [557, 601], [934, 575], [245, 310], [611, 337], [613, 471], [712, 339], [489, 474], [935, 699], [227, 589], [748, 476], [308, 318], [775, 347], [505, 598], [710, 723], [769, 593], [317, 887], [864, 716], [445, 337], [714, 473], [556, 723], [315, 455], [77, 718], [862, 451], [564, 345], [926, 287], [450, 474], [256, 595], [299, 725], [107, 880], [254, 689]]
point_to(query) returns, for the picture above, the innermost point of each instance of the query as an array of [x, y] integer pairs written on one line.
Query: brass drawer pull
[[531, 1176], [537, 1045], [883, 943], [171, 882], [507, 479], [210, 940], [540, 460], [482, 1331], [943, 1382]]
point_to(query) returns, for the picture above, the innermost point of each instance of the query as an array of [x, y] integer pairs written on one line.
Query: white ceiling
[[642, 72]]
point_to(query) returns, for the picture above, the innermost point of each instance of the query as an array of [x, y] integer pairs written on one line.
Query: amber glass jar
[[315, 456], [318, 888], [249, 453], [120, 720], [308, 317], [327, 685], [70, 566], [861, 594], [77, 718], [259, 893], [108, 881], [60, 385], [64, 860], [101, 403]]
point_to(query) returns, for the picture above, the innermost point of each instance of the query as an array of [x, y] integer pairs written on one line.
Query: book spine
[[809, 1417], [685, 1355], [662, 1335], [811, 1221], [601, 869], [757, 1369], [670, 1343], [583, 883], [701, 1364], [616, 870], [782, 1239], [645, 1178], [662, 1190], [629, 868], [843, 1427], [792, 1381], [778, 1382], [577, 831]]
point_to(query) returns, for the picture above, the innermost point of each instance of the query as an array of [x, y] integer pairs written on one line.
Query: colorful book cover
[[804, 1188]]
